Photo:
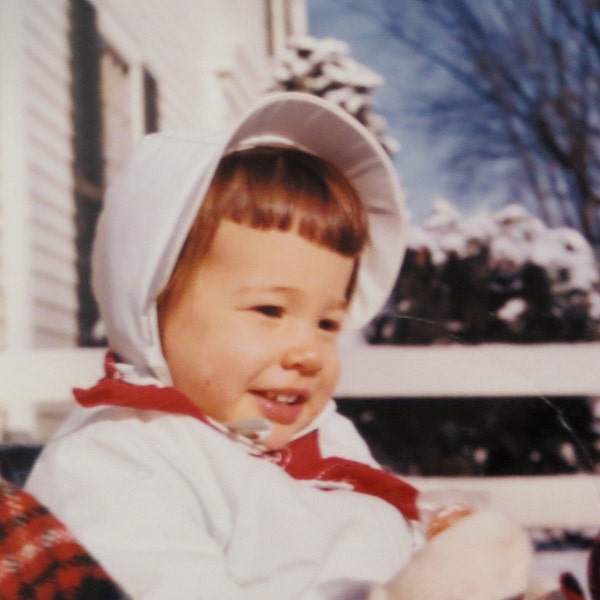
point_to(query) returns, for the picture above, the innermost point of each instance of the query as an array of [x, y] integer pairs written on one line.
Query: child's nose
[[305, 355]]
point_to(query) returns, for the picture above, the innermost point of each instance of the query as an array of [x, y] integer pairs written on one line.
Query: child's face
[[254, 333]]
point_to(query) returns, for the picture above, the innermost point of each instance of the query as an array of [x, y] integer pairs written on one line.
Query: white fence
[[566, 501], [35, 392], [479, 370]]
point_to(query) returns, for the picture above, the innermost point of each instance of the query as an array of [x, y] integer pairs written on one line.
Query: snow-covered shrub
[[493, 276], [324, 68]]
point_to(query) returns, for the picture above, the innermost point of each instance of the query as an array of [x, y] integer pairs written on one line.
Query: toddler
[[210, 462]]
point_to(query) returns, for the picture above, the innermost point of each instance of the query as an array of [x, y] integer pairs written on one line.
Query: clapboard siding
[[43, 19], [209, 59], [6, 24], [51, 146], [52, 244], [2, 260], [54, 302], [47, 94], [52, 287], [2, 275], [49, 164], [50, 199], [51, 13], [52, 250], [46, 58]]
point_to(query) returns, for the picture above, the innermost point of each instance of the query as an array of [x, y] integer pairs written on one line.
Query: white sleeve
[[173, 509], [144, 525]]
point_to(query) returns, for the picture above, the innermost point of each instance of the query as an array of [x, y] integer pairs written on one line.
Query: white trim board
[[484, 370]]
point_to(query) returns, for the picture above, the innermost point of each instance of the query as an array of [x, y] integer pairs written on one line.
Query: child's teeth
[[285, 399]]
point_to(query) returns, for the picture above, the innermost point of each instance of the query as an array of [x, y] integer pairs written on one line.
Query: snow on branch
[[324, 68], [493, 276]]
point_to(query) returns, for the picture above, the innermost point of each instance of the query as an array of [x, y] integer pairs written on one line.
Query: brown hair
[[270, 187]]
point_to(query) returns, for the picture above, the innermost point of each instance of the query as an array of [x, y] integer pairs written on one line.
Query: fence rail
[[470, 371], [35, 392]]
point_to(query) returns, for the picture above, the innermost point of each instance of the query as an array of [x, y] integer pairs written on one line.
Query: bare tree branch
[[525, 95]]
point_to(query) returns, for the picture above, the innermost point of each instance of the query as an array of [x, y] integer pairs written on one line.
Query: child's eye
[[270, 310], [330, 325]]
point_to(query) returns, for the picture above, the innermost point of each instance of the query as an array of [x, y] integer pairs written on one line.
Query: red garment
[[570, 588], [40, 559], [301, 458]]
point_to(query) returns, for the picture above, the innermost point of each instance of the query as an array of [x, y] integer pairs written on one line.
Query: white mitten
[[483, 556]]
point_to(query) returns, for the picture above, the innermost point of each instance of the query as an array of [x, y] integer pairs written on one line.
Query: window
[[104, 110]]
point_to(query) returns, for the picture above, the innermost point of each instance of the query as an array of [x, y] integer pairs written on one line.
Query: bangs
[[276, 188], [286, 189]]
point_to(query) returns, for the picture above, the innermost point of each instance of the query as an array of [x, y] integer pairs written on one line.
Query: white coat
[[173, 508], [176, 509]]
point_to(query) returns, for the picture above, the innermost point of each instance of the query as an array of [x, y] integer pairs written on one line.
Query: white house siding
[[2, 271], [2, 257], [37, 253], [49, 156], [209, 60], [11, 162]]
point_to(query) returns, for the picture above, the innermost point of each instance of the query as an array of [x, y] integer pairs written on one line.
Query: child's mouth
[[282, 407]]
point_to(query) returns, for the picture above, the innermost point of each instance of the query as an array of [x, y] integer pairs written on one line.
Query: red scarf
[[301, 458]]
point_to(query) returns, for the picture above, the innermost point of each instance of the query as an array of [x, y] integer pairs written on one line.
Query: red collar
[[301, 458]]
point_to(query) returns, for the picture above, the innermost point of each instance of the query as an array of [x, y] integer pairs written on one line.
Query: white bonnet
[[152, 203]]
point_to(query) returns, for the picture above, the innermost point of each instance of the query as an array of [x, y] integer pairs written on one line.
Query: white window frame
[[286, 18], [115, 35]]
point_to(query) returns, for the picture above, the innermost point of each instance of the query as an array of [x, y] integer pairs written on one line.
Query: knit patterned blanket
[[40, 559]]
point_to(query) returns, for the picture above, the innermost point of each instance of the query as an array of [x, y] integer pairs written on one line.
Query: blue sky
[[419, 164]]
